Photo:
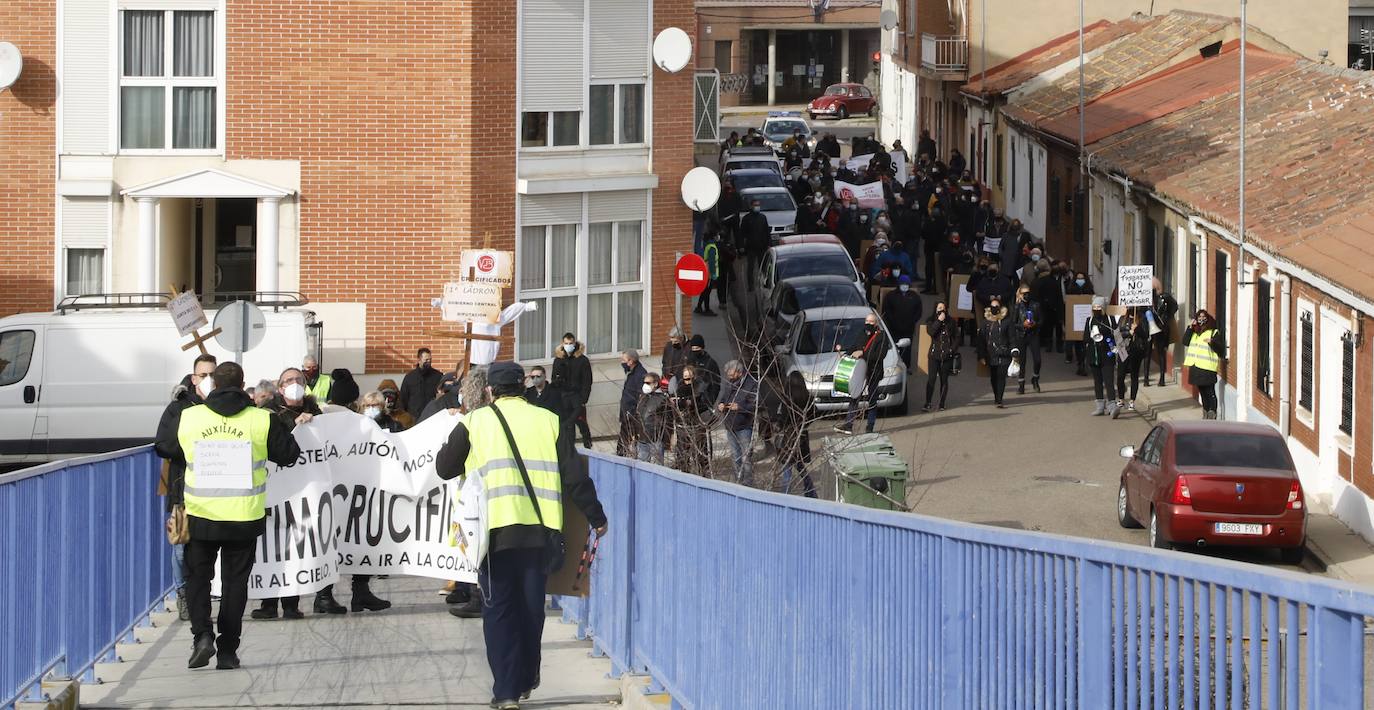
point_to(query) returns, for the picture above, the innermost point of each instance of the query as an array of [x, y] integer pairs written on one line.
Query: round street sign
[[692, 278], [242, 327]]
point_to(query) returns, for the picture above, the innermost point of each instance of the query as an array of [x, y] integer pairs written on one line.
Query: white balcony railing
[[944, 54]]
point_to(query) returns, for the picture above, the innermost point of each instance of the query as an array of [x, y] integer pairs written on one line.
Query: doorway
[[1329, 391], [235, 248]]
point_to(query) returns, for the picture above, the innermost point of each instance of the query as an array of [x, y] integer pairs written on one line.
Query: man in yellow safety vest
[[521, 455], [317, 383], [226, 443]]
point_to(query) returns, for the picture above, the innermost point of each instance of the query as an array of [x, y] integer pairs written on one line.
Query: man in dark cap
[[705, 365], [446, 396], [526, 461]]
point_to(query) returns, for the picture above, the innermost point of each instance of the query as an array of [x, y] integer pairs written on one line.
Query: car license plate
[[1239, 529]]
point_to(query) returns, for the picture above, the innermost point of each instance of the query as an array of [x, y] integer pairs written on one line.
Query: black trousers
[[1030, 348], [236, 562], [931, 284], [752, 266], [998, 375], [937, 369], [1208, 393], [625, 441], [1159, 352], [1104, 377], [1130, 366], [512, 587], [580, 419]]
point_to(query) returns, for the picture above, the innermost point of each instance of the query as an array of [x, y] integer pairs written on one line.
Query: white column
[[147, 245], [772, 66], [268, 238], [844, 56]]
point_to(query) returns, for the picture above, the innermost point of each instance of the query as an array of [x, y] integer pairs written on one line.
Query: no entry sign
[[692, 278]]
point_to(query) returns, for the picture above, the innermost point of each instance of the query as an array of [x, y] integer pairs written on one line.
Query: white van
[[86, 380]]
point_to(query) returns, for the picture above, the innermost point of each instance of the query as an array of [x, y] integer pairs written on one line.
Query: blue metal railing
[[733, 597], [83, 559]]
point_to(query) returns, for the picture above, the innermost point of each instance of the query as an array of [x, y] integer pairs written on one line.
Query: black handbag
[[555, 545]]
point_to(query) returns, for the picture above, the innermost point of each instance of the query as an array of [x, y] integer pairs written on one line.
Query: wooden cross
[[467, 339], [197, 340]]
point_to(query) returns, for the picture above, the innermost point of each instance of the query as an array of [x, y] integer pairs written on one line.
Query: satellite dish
[[11, 62], [672, 50], [888, 19], [700, 189]]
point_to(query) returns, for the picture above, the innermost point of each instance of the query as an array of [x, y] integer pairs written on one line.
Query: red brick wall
[[401, 166], [27, 159], [672, 158]]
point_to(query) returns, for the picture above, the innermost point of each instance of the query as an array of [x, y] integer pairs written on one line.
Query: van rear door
[[21, 387]]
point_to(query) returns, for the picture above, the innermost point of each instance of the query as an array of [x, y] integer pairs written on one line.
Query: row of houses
[[1158, 184]]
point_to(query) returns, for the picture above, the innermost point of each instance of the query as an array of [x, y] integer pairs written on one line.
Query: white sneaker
[[1131, 407]]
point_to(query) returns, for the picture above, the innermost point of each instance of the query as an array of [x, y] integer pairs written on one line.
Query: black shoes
[[201, 652], [325, 604], [226, 661], [291, 613], [1021, 387], [471, 609], [365, 600], [458, 596], [926, 408], [265, 612]]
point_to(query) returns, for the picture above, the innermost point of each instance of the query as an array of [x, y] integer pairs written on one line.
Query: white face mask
[[648, 389], [206, 386], [904, 288], [294, 392], [569, 347], [372, 412]]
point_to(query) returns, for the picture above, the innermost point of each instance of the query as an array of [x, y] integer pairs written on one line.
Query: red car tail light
[[1295, 496], [1181, 494]]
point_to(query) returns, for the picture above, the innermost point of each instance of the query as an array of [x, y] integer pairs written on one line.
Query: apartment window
[[168, 84], [607, 295], [616, 114], [1264, 327], [1306, 361], [1348, 384], [85, 271], [999, 160], [539, 129]]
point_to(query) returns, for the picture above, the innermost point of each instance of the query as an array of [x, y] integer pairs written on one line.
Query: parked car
[[805, 292], [781, 125], [1214, 483], [778, 206], [751, 161], [745, 178], [807, 348], [842, 101], [783, 262], [810, 239]]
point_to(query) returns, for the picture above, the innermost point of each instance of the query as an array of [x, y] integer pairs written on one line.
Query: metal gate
[[706, 107]]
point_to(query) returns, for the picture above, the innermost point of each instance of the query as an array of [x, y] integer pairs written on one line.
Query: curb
[[635, 695]]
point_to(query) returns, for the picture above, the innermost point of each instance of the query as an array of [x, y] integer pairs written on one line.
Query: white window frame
[[168, 81], [64, 269], [548, 146], [617, 141]]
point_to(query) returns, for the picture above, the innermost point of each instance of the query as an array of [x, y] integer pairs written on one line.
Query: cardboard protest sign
[[960, 302], [1077, 311]]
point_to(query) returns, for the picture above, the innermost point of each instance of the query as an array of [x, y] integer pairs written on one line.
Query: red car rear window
[[1231, 450]]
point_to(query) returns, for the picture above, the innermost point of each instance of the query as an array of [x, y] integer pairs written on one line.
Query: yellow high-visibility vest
[[1200, 355], [320, 390], [200, 423], [490, 459]]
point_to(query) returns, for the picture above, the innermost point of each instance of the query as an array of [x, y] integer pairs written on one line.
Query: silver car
[[777, 205], [808, 348]]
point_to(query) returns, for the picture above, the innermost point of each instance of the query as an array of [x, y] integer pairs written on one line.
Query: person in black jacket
[[757, 236], [1080, 285], [707, 369], [653, 419], [572, 376], [1203, 379], [995, 347], [540, 394], [190, 392], [233, 542], [1162, 313], [901, 313], [871, 345], [1135, 340], [417, 387], [1099, 349], [691, 407], [629, 401], [1047, 290], [790, 409], [445, 396], [940, 356], [1025, 328]]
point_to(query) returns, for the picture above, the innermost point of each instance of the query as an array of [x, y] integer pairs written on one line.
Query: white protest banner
[[868, 195], [899, 165], [466, 301], [488, 266], [859, 163], [186, 312], [1134, 285], [359, 500]]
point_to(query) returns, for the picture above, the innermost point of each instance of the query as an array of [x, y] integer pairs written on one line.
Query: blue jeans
[[179, 565], [650, 451], [808, 486], [741, 446]]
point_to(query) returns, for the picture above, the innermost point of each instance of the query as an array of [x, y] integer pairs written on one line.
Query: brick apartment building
[[350, 152]]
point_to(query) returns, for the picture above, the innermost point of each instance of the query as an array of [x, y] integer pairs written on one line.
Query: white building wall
[[1024, 166]]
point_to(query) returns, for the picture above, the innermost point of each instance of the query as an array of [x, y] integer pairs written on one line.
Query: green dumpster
[[870, 479], [875, 443]]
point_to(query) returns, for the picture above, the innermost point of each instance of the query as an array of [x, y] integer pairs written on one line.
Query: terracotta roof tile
[[1026, 66]]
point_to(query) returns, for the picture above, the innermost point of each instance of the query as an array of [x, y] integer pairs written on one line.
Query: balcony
[[944, 54]]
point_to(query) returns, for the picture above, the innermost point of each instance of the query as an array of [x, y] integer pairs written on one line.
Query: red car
[[1214, 483], [842, 101]]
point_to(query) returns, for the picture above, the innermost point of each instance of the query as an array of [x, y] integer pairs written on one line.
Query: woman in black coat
[[940, 357], [1135, 338], [995, 347]]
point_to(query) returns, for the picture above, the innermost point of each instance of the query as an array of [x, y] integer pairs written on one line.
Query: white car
[[781, 125], [808, 348], [777, 205]]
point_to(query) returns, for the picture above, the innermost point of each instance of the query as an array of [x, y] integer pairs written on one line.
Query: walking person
[[1026, 338], [1079, 286], [737, 400], [901, 314], [871, 346], [1135, 344], [941, 355], [690, 407], [629, 401], [791, 415], [527, 462], [1206, 349], [225, 521], [995, 347], [710, 253], [653, 419], [1161, 315], [572, 376], [756, 236], [1099, 351]]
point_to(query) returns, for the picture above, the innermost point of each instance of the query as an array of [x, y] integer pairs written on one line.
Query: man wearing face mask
[[901, 312], [540, 394], [653, 419], [995, 347], [757, 236], [417, 387], [707, 371], [674, 354], [572, 377], [191, 391], [629, 401], [318, 384], [738, 399], [1100, 343], [852, 230], [871, 346]]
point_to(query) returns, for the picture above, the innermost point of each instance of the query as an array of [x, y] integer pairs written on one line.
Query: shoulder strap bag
[[555, 545]]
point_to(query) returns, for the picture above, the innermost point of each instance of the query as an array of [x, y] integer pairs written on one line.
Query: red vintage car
[[842, 101], [1214, 483]]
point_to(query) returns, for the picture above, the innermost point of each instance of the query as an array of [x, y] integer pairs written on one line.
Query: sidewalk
[[413, 654], [1332, 547]]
